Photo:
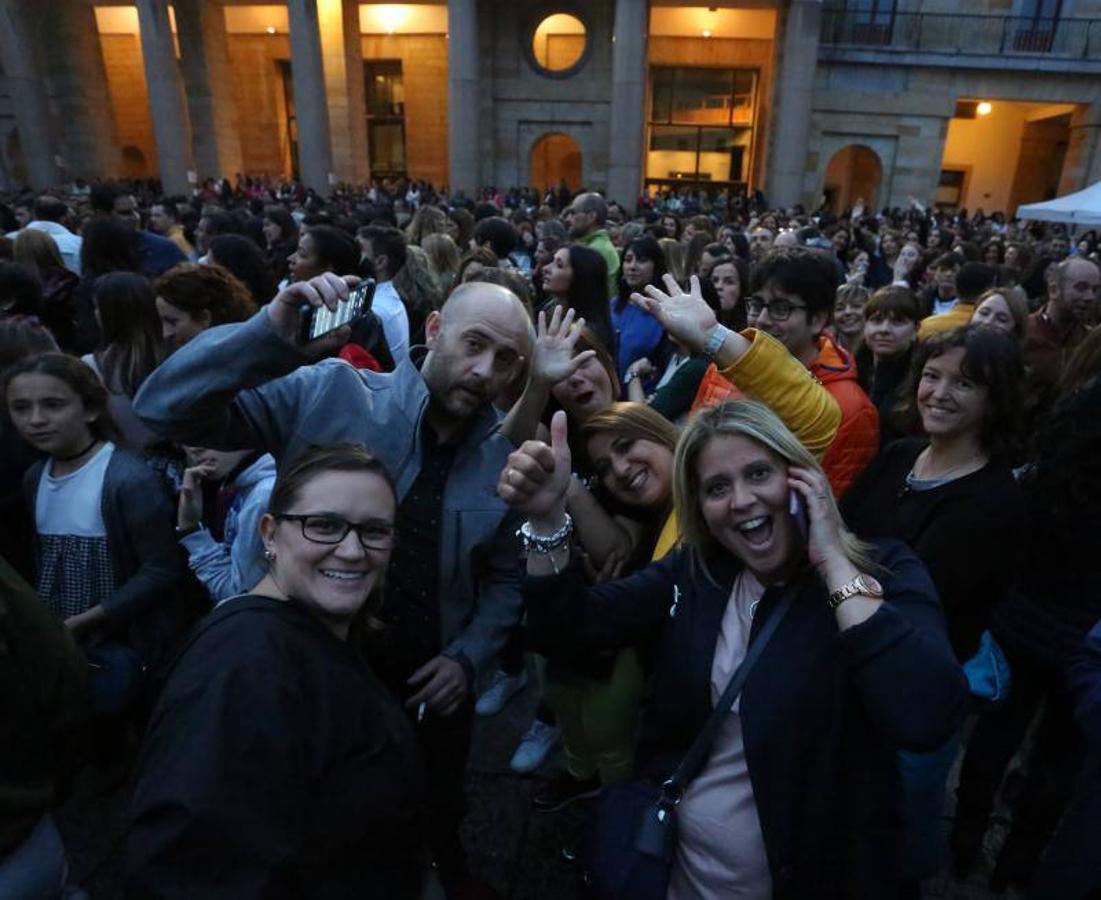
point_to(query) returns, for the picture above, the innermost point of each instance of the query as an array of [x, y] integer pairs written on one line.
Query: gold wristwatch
[[862, 584]]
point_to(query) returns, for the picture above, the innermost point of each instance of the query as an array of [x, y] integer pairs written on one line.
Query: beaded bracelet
[[545, 544]]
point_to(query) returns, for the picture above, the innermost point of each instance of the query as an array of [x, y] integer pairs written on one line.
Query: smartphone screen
[[318, 321]]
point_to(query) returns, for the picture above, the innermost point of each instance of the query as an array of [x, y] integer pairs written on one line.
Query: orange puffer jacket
[[857, 438]]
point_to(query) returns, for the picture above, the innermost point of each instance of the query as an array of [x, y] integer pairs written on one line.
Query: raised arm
[[757, 364], [207, 393], [553, 359], [565, 618]]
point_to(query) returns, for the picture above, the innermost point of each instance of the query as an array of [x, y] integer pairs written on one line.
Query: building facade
[[808, 101]]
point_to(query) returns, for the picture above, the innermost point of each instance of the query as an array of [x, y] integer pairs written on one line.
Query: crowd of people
[[780, 512]]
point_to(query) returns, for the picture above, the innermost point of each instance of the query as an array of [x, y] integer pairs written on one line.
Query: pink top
[[720, 849]]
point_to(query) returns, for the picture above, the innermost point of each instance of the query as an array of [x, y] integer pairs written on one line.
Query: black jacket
[[276, 766], [823, 712], [971, 532]]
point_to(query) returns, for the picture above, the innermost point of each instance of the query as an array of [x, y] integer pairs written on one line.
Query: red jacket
[[857, 438]]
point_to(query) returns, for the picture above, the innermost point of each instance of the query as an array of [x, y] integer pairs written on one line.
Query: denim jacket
[[238, 386]]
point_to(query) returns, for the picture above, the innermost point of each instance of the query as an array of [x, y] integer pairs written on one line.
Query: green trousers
[[597, 718]]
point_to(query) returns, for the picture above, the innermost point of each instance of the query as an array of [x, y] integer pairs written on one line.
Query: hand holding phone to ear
[[823, 528]]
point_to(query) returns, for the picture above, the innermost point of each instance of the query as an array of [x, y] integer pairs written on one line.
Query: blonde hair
[[634, 420], [676, 258], [745, 418], [443, 257], [426, 220]]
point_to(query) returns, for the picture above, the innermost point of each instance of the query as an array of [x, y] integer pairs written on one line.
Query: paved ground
[[521, 854]]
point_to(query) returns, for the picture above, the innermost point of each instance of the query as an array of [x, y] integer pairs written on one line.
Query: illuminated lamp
[[984, 108]]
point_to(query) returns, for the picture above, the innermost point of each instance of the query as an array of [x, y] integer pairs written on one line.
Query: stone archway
[[855, 172], [556, 156]]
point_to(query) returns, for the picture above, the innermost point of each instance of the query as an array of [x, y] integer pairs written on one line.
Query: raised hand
[[686, 316], [824, 531], [326, 289], [640, 368], [536, 477], [190, 510], [553, 358]]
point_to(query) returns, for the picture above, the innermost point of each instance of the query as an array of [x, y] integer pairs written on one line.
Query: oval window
[[559, 42]]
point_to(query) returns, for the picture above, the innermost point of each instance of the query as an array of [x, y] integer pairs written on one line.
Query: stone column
[[798, 60], [315, 152], [28, 98], [625, 147], [167, 106], [208, 82], [463, 102], [342, 56], [1082, 166], [78, 82]]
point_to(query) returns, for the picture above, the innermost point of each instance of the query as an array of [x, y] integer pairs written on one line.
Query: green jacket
[[602, 244], [43, 699]]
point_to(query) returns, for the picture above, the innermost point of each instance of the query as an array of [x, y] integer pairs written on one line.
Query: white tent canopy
[[1080, 208]]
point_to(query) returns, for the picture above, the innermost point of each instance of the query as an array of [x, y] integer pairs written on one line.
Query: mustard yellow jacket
[[768, 373]]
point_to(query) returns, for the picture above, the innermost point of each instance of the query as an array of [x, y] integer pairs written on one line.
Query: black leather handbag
[[635, 827]]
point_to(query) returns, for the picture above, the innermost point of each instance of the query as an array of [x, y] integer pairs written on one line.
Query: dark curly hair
[[198, 289], [992, 359]]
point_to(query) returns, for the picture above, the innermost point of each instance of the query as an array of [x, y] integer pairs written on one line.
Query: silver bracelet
[[545, 544]]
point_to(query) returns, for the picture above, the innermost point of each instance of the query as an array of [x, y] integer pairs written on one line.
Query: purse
[[635, 833], [988, 673]]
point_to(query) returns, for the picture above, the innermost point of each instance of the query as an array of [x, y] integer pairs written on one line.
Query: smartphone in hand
[[317, 321], [797, 507]]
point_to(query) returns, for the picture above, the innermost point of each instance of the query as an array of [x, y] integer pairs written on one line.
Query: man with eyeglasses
[[452, 590], [792, 298]]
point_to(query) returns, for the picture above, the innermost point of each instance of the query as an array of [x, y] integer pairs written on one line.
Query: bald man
[[1052, 333], [451, 588], [586, 218]]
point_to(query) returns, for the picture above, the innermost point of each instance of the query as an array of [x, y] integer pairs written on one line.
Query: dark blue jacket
[[823, 712], [157, 254]]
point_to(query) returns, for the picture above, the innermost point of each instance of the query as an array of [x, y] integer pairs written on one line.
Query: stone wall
[[521, 104], [261, 104], [125, 70], [726, 53], [903, 112], [424, 75]]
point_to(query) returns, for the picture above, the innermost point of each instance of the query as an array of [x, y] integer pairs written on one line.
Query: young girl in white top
[[105, 553]]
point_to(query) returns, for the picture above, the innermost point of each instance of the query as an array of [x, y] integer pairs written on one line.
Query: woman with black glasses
[[276, 763]]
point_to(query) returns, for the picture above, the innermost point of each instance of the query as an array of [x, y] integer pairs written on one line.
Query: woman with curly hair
[[191, 298], [427, 220]]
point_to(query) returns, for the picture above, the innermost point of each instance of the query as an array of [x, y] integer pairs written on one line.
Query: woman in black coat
[[276, 764], [798, 798], [951, 497]]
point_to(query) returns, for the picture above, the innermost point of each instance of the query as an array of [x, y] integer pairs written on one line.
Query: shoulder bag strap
[[696, 756]]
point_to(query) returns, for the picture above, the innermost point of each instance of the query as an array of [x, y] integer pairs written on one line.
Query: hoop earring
[[269, 555]]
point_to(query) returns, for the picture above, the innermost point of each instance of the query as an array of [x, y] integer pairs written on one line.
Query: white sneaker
[[502, 688], [535, 746]]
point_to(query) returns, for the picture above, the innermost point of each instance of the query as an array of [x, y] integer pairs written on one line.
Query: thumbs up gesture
[[536, 477]]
